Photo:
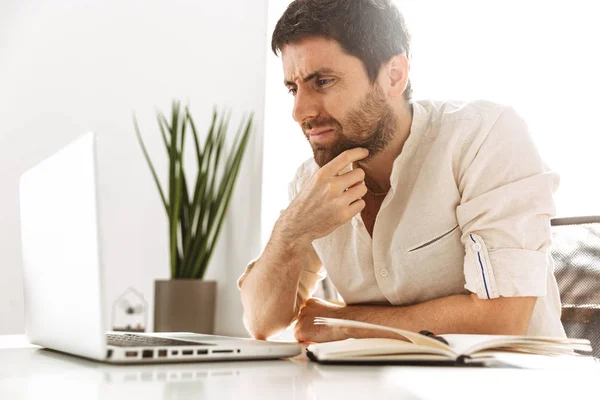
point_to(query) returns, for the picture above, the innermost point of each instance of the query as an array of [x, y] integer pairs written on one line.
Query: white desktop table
[[29, 372]]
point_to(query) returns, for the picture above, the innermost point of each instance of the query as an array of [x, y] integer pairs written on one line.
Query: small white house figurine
[[130, 312]]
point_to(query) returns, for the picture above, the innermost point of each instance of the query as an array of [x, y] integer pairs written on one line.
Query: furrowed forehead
[[305, 58]]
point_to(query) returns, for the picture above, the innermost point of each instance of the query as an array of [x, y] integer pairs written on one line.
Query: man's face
[[334, 102]]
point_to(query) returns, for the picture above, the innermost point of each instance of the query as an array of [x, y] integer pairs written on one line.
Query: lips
[[318, 132], [321, 137]]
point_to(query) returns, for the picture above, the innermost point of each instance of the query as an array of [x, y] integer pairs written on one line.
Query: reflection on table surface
[[44, 374]]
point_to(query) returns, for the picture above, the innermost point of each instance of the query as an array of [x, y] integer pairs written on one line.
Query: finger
[[311, 300], [350, 179], [334, 166], [356, 207], [355, 193], [357, 184]]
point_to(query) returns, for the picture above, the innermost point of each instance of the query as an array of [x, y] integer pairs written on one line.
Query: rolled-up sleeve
[[505, 211], [312, 273]]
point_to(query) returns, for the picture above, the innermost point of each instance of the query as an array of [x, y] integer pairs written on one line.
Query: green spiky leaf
[[196, 216]]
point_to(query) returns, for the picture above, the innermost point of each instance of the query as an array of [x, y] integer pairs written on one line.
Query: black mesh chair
[[576, 254]]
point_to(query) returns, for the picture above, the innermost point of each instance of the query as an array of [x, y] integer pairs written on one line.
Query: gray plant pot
[[184, 305]]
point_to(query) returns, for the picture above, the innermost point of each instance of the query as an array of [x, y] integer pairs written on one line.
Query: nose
[[306, 106]]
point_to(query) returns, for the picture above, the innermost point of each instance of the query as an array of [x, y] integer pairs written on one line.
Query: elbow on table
[[264, 322], [520, 324], [519, 316], [507, 315], [261, 328]]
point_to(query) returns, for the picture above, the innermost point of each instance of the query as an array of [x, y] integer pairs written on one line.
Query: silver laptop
[[62, 274]]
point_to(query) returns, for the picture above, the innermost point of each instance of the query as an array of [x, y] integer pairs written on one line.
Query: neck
[[378, 168]]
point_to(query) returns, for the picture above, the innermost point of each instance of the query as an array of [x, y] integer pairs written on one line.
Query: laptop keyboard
[[133, 340]]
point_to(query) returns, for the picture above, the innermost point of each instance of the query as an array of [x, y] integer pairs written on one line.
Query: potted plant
[[195, 212]]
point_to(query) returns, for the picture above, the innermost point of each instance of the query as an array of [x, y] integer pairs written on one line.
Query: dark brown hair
[[372, 30]]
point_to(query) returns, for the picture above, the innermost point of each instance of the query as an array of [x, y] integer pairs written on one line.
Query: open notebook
[[421, 349]]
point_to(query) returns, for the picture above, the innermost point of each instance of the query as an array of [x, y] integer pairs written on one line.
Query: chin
[[322, 158]]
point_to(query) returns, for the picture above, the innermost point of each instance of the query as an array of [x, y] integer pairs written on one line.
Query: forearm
[[452, 314], [273, 291], [270, 291]]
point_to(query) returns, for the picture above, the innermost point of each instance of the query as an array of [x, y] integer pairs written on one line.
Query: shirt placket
[[382, 273]]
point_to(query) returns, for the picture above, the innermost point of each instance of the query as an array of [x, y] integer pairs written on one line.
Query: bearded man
[[425, 215]]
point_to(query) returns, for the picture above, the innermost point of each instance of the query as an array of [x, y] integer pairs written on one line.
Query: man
[[425, 215]]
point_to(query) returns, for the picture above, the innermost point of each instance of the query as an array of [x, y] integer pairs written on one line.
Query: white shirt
[[468, 212]]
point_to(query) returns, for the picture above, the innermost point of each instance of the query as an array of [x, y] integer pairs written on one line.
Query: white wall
[[77, 66], [537, 56]]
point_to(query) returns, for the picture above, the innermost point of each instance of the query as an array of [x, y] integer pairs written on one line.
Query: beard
[[371, 125]]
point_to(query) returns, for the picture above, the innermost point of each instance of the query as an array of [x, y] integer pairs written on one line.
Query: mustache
[[319, 123]]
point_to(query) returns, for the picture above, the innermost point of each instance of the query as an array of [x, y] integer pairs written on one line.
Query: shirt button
[[477, 247], [384, 272]]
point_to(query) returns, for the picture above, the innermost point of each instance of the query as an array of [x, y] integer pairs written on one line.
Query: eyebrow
[[311, 76]]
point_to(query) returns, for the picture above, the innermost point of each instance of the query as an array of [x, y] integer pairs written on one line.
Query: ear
[[394, 76]]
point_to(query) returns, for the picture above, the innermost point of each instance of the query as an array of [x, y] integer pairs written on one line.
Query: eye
[[323, 82], [292, 91]]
